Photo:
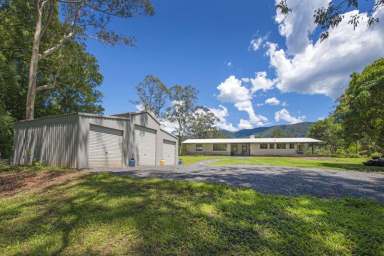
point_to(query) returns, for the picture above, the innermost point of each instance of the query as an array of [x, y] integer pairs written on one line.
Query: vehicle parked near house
[[375, 161]]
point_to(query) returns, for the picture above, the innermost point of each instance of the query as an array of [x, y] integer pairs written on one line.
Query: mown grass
[[103, 214], [305, 162], [190, 160]]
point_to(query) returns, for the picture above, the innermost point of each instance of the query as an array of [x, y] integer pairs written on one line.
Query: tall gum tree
[[82, 19]]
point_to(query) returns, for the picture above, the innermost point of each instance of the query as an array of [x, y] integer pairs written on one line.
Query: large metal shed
[[84, 140]]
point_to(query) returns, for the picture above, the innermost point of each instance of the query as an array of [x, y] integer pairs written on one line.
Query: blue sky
[[208, 43]]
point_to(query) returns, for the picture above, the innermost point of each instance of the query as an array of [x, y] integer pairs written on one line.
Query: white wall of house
[[255, 149], [207, 150]]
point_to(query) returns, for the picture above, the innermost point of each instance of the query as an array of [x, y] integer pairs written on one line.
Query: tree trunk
[[179, 144], [30, 106]]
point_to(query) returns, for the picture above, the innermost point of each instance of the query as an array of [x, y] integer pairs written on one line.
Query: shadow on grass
[[355, 167], [118, 215]]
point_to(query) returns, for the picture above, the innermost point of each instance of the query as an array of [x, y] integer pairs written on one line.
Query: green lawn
[[306, 162], [189, 160], [103, 214]]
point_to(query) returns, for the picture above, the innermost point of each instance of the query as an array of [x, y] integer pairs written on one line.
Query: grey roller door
[[169, 152], [105, 147], [145, 146]]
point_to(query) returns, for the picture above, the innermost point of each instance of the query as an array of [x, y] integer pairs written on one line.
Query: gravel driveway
[[278, 180]]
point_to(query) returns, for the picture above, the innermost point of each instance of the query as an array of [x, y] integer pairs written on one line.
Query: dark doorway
[[300, 149], [234, 149], [240, 149], [245, 149]]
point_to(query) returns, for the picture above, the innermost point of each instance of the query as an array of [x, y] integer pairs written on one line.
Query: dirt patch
[[16, 182]]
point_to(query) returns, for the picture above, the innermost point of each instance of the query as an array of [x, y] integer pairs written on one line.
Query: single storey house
[[249, 146], [84, 140]]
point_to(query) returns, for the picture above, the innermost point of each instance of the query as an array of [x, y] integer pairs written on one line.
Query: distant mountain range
[[288, 131]]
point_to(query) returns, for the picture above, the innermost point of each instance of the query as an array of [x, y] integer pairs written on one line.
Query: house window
[[263, 146], [199, 147], [244, 148], [281, 146], [271, 146], [219, 147], [291, 146]]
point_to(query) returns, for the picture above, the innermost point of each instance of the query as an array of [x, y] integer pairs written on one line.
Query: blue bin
[[131, 163]]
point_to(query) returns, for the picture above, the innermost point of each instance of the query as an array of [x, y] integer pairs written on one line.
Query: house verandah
[[249, 146]]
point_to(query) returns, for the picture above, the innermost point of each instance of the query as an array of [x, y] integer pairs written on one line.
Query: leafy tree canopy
[[75, 72], [183, 103], [361, 108], [152, 94], [203, 124], [328, 131]]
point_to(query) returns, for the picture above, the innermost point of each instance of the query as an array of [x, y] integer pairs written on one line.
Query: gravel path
[[278, 180]]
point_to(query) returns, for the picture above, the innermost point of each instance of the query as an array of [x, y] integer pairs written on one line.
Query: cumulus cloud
[[323, 67], [260, 82], [233, 91], [298, 24], [307, 65], [284, 115], [272, 101], [222, 113]]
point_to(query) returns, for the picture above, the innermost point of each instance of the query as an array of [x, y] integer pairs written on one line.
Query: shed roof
[[252, 140]]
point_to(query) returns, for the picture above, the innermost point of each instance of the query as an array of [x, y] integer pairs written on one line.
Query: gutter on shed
[[52, 117]]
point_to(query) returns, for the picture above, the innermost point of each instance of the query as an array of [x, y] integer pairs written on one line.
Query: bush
[[6, 134]]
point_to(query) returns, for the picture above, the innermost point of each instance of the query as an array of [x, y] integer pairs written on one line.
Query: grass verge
[[305, 162], [103, 214]]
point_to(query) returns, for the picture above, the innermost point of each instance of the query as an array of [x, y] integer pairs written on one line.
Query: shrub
[[6, 134]]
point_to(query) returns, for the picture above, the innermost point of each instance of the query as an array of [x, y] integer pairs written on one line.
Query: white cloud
[[261, 82], [256, 120], [272, 101], [233, 91], [229, 64], [284, 115], [222, 113], [256, 43], [323, 67], [299, 23]]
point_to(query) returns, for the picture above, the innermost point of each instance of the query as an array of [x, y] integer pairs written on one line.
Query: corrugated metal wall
[[111, 122], [63, 140], [52, 141], [105, 147]]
